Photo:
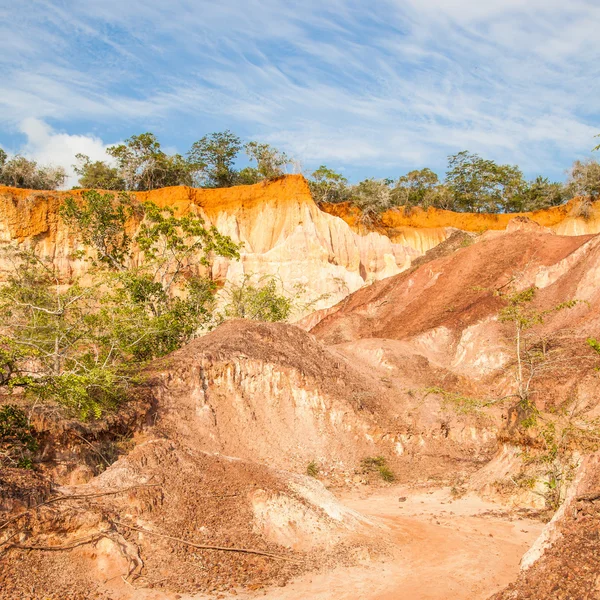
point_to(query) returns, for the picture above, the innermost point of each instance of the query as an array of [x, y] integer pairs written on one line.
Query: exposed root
[[205, 547], [80, 542]]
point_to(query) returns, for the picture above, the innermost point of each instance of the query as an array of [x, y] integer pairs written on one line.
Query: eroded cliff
[[328, 252]]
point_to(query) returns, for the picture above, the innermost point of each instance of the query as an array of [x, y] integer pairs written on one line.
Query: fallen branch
[[204, 547], [75, 497], [589, 497]]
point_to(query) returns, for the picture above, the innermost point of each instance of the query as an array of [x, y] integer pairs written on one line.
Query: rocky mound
[[452, 292], [201, 504], [271, 393]]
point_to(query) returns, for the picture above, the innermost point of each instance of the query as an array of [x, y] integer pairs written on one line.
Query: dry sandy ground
[[459, 549]]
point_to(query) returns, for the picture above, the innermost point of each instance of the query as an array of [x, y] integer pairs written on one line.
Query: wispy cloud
[[384, 88]]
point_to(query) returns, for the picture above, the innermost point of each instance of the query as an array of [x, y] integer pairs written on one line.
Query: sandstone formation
[[283, 232]]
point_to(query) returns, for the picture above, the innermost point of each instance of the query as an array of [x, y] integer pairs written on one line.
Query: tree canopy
[[21, 172]]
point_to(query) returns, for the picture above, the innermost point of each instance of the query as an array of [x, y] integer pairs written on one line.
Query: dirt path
[[446, 549]]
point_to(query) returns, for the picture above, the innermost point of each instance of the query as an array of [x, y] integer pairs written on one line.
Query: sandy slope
[[460, 549]]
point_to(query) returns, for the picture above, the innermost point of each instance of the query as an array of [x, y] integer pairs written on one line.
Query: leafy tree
[[481, 185], [144, 166], [584, 179], [328, 186], [213, 157], [97, 174], [100, 220], [422, 188], [52, 326], [20, 172], [536, 195], [260, 300], [80, 345], [270, 162], [414, 188], [372, 197]]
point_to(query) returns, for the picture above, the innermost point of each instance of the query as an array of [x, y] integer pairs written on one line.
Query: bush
[[17, 438], [23, 173], [379, 465], [258, 299], [312, 470]]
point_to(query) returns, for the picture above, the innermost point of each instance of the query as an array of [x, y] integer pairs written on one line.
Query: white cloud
[[49, 147]]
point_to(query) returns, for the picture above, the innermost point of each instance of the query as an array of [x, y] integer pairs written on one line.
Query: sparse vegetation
[[259, 299], [17, 438], [378, 464], [264, 298], [458, 402], [312, 469], [551, 436]]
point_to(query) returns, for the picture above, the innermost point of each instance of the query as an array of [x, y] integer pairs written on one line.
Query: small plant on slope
[[379, 465]]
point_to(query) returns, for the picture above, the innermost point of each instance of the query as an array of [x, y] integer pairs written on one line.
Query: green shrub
[[312, 470], [378, 464], [17, 438]]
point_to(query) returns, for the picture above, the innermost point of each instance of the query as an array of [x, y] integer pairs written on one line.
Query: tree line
[[471, 183]]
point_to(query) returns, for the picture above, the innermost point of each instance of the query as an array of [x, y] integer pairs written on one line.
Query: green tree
[[584, 179], [328, 186], [100, 221], [81, 345], [142, 165], [20, 172], [213, 157], [270, 162], [414, 188], [481, 185], [97, 174], [52, 327], [372, 197], [536, 195]]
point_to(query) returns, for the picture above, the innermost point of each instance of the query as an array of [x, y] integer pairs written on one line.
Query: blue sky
[[368, 90]]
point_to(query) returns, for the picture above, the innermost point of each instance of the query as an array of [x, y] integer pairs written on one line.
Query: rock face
[[437, 327], [283, 233]]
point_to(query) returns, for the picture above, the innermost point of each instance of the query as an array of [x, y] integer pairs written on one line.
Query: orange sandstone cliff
[[283, 233]]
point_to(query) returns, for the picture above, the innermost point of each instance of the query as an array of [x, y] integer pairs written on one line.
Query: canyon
[[254, 454]]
